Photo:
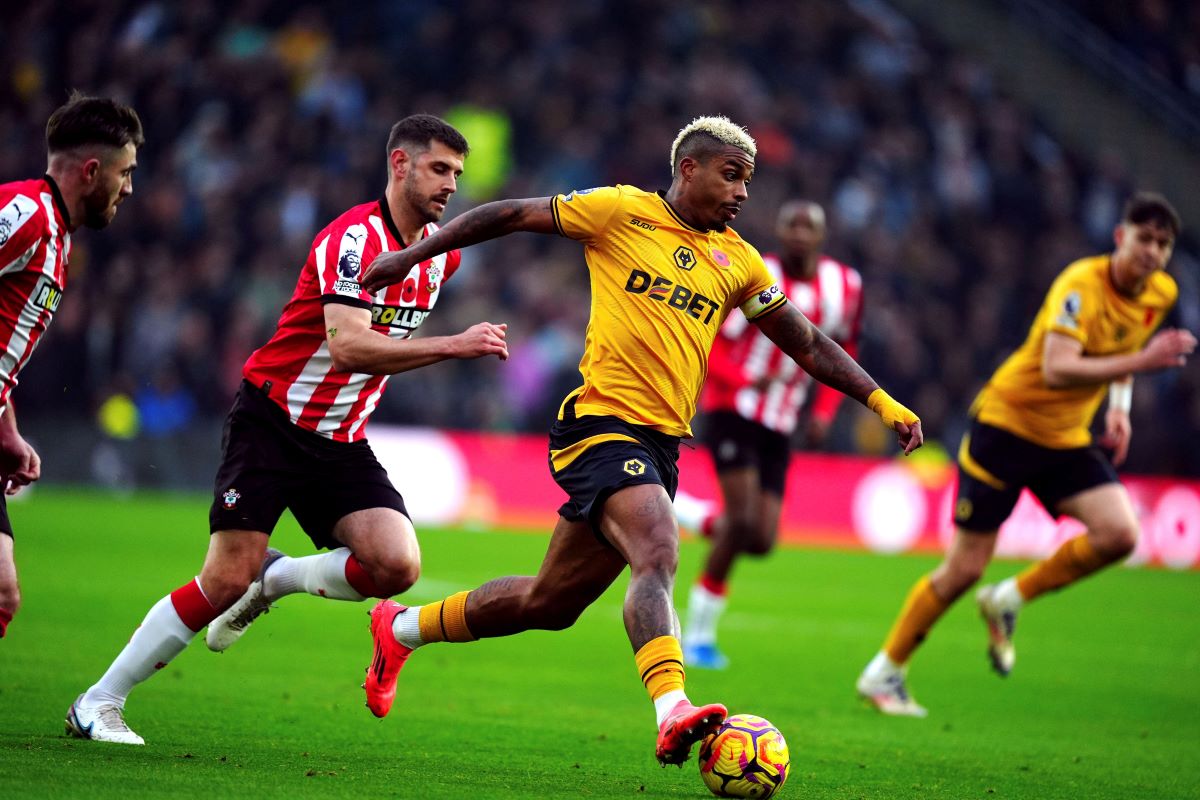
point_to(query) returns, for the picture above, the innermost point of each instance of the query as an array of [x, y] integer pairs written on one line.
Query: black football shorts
[[994, 465], [736, 443], [5, 523], [591, 457], [269, 464]]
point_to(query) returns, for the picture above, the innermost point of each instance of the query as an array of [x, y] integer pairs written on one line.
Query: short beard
[[95, 210], [419, 203]]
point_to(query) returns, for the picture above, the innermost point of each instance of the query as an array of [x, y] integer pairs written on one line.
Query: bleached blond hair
[[722, 129]]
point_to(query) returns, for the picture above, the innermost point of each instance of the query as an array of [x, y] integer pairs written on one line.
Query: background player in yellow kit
[[665, 272], [1030, 428]]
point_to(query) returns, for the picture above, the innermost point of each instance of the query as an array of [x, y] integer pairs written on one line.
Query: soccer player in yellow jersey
[[1030, 428], [665, 272]]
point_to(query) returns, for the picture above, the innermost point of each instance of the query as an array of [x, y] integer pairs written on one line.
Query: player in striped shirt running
[[92, 148], [752, 401], [295, 437]]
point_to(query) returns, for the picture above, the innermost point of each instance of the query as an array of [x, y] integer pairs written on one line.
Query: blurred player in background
[[1030, 429], [92, 145], [295, 437], [665, 273], [752, 402]]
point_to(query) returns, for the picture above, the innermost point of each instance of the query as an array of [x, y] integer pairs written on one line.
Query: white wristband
[[1120, 396]]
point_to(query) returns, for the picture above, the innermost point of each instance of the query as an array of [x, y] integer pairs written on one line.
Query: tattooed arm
[[821, 357], [488, 221]]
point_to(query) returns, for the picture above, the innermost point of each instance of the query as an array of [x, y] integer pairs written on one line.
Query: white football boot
[[101, 723], [1000, 614], [882, 683], [232, 623]]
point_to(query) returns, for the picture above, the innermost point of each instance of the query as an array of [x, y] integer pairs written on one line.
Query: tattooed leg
[[576, 570], [640, 522]]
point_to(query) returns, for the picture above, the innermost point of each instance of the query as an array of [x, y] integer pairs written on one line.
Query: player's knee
[[1126, 541], [394, 573], [742, 530], [760, 543], [222, 589], [958, 575], [968, 573], [657, 554], [1116, 541], [10, 599]]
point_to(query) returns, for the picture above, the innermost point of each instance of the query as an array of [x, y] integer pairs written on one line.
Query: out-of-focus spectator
[[1163, 34]]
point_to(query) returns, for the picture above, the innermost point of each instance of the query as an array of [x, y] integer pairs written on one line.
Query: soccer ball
[[746, 757]]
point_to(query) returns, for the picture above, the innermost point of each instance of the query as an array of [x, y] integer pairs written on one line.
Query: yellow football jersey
[[1083, 304], [660, 291]]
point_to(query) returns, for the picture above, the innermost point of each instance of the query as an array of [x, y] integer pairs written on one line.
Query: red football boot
[[389, 657], [683, 727]]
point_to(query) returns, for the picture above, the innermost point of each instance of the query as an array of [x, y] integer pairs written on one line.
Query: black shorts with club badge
[[736, 443], [591, 457], [994, 465], [268, 464]]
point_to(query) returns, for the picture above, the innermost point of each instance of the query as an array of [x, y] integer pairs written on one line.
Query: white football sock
[[703, 613], [406, 627], [323, 575], [1008, 595], [665, 702], [882, 666], [161, 636]]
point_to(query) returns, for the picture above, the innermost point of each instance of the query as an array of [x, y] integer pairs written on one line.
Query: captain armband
[[763, 302]]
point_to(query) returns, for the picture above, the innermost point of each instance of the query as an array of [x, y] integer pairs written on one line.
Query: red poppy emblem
[[721, 259]]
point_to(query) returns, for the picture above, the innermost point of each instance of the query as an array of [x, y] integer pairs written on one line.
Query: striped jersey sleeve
[[296, 368], [340, 257], [35, 244]]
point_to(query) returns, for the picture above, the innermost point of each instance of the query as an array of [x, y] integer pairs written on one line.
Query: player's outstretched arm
[[1064, 363], [488, 221], [822, 358], [355, 347]]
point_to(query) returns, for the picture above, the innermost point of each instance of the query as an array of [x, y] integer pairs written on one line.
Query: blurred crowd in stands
[[264, 119], [1164, 34]]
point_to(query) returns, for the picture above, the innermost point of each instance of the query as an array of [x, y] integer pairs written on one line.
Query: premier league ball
[[746, 757]]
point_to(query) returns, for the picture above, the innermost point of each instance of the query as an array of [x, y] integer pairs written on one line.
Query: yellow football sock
[[1074, 559], [446, 620], [660, 663], [921, 609]]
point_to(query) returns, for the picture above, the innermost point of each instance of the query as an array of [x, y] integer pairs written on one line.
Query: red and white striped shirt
[[35, 243], [295, 367], [742, 356]]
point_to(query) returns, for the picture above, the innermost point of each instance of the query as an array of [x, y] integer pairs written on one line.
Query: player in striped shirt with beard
[[92, 145], [295, 437], [752, 401]]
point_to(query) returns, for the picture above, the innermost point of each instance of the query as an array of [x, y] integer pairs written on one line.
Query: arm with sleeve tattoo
[[819, 355], [488, 221], [822, 358]]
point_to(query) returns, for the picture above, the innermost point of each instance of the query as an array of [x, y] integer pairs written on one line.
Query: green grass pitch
[[1104, 702]]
